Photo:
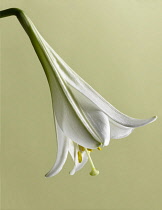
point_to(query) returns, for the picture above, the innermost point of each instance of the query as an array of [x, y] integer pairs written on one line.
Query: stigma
[[94, 171]]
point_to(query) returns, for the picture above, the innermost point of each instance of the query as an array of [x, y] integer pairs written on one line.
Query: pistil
[[94, 171]]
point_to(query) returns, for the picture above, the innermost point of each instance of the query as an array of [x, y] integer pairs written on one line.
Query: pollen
[[99, 148], [79, 157]]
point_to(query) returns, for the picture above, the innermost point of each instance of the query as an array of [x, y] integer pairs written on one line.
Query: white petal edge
[[62, 152]]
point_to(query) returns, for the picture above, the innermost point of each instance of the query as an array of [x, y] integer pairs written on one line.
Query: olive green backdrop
[[116, 46]]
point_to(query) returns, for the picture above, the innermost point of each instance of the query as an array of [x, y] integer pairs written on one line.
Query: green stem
[[26, 24], [20, 16]]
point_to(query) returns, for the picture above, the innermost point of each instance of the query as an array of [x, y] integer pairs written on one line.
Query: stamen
[[79, 157], [90, 150], [81, 148], [99, 148], [94, 172]]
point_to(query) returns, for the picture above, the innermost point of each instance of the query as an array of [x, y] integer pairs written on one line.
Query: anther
[[81, 148], [79, 157], [90, 150], [99, 148]]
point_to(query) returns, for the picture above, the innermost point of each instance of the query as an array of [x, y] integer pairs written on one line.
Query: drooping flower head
[[84, 120]]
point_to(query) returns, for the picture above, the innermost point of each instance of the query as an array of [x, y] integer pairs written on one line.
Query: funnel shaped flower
[[84, 120]]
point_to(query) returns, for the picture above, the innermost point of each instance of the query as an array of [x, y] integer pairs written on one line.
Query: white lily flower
[[84, 119]]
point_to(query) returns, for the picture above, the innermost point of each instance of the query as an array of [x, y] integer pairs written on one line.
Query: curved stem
[[34, 38], [9, 12], [20, 16]]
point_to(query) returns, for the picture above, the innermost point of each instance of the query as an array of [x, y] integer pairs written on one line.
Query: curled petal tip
[[139, 123], [71, 173], [51, 174], [153, 119], [106, 143], [47, 175]]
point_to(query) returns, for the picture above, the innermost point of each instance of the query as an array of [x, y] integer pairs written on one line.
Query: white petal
[[105, 128], [77, 82], [78, 165], [118, 131], [97, 119], [68, 120], [62, 152], [69, 117], [71, 148]]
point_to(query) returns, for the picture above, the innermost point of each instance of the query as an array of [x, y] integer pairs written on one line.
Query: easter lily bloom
[[84, 120]]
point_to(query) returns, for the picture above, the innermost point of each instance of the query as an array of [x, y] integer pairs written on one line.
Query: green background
[[116, 46]]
